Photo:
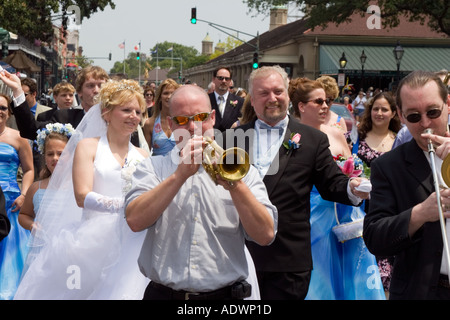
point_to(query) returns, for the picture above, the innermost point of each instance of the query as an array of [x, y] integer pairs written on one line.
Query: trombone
[[445, 171]]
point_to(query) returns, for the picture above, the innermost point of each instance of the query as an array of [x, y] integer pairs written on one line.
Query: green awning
[[381, 58]]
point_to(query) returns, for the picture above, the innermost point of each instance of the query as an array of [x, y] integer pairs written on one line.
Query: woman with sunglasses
[[339, 269], [15, 151], [149, 96], [311, 107], [157, 131]]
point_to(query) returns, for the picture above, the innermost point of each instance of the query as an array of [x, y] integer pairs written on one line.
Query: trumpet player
[[403, 218], [196, 229]]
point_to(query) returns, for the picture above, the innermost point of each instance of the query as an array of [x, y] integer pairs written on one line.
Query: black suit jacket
[[400, 179], [46, 115], [289, 190], [28, 125], [231, 112]]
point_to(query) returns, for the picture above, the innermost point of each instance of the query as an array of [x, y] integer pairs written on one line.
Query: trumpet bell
[[234, 164], [445, 170], [231, 164]]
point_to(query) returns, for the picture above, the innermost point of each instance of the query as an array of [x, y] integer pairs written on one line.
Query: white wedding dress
[[96, 256]]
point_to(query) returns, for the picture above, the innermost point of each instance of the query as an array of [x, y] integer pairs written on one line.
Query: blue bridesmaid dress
[[14, 247], [341, 271]]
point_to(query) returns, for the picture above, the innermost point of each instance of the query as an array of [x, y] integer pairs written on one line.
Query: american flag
[[122, 45]]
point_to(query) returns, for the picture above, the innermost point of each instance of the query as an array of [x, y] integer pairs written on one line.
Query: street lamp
[[362, 58], [398, 54], [342, 64], [343, 61]]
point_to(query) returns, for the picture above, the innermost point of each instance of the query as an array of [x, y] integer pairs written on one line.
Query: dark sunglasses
[[3, 108], [320, 101], [148, 95], [416, 116], [182, 120], [223, 78]]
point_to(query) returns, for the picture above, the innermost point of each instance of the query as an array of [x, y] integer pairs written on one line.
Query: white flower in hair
[[64, 129]]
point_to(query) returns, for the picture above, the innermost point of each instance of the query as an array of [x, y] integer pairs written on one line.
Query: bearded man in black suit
[[289, 173], [227, 105]]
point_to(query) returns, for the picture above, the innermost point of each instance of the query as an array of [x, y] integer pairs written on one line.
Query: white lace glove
[[98, 202]]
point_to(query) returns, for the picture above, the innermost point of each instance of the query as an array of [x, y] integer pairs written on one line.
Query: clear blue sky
[[151, 22]]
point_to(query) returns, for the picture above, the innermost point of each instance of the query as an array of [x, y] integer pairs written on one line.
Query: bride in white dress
[[87, 251]]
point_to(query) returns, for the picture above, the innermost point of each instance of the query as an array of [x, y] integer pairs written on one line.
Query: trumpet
[[231, 164], [445, 176]]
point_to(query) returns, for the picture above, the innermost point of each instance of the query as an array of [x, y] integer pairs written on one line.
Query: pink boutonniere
[[234, 103], [293, 143]]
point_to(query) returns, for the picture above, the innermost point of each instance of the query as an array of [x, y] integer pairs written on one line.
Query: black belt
[[238, 290], [443, 281]]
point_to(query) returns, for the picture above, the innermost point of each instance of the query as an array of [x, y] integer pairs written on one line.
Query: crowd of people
[[114, 198]]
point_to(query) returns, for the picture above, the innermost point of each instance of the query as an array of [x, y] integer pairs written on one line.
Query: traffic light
[[255, 64], [194, 15], [138, 56], [110, 56]]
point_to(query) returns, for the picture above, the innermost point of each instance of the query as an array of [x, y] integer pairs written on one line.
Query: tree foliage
[[163, 58], [33, 19], [184, 57], [436, 13]]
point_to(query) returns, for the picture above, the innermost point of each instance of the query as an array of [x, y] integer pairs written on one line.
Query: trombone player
[[403, 218], [196, 229]]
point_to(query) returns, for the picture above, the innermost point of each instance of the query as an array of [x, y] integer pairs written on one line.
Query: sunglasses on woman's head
[[182, 120]]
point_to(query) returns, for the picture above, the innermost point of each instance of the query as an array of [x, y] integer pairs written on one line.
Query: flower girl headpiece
[[64, 129]]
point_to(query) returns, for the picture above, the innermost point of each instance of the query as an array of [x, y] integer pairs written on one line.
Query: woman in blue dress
[[157, 131], [14, 151], [341, 270]]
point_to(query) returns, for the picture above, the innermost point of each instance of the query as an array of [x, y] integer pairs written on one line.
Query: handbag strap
[[335, 213], [355, 146]]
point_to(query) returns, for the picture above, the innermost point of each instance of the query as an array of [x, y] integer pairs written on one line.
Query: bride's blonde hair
[[115, 93]]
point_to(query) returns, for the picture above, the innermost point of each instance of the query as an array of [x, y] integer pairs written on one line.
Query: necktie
[[221, 105]]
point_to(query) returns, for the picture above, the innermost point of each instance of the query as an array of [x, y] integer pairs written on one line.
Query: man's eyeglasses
[[431, 114], [3, 108], [182, 120], [223, 78], [320, 101]]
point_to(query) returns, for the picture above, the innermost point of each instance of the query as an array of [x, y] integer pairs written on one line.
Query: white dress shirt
[[197, 244]]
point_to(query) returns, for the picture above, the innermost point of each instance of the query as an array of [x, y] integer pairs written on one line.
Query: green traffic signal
[[138, 56], [255, 64], [194, 15]]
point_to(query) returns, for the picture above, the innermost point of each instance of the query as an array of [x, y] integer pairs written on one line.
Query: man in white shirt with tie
[[227, 105]]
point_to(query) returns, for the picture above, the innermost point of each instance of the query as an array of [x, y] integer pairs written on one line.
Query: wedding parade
[[310, 161]]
